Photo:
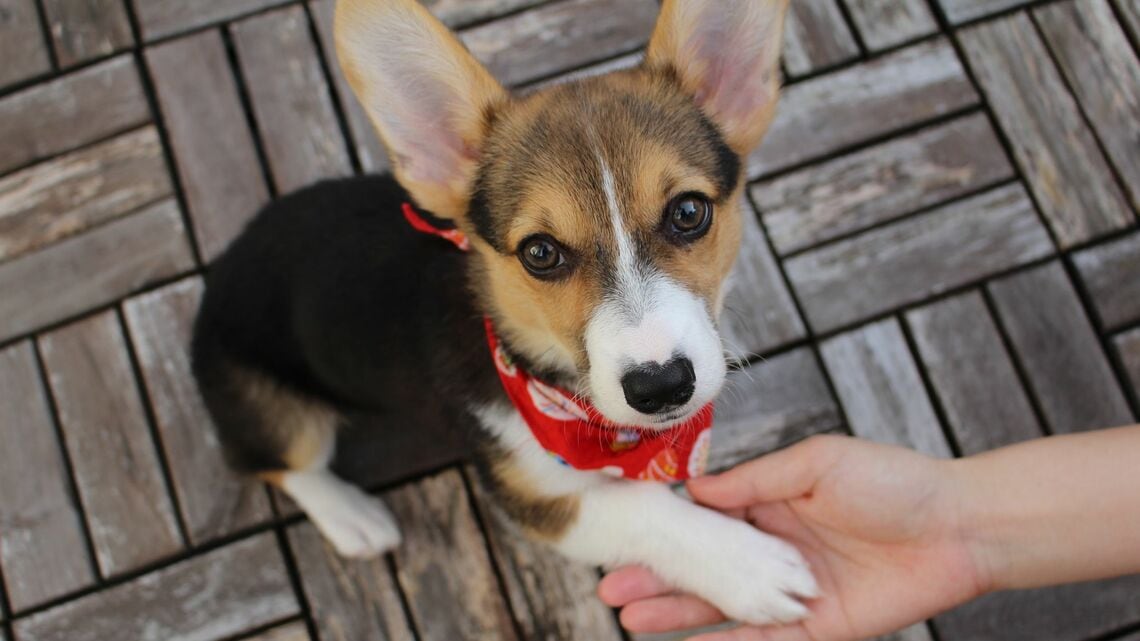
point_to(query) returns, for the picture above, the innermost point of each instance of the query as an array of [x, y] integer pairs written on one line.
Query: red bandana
[[575, 433]]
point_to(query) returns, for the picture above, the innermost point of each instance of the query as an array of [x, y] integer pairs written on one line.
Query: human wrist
[[971, 523]]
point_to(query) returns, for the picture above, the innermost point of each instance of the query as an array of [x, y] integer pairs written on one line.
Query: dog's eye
[[541, 256], [689, 216]]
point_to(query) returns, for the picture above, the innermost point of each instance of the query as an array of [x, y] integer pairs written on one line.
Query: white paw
[[756, 578], [356, 524]]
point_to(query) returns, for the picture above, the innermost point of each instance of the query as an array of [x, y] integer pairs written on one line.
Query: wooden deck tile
[[226, 592], [460, 12], [1128, 348], [86, 29], [54, 200], [1111, 272], [881, 183], [350, 600], [291, 632], [42, 550], [1069, 613], [553, 598], [213, 148], [291, 101], [158, 18], [70, 112], [816, 37], [214, 501], [373, 157], [1094, 55], [22, 46], [888, 23], [561, 36], [1059, 351], [443, 565], [972, 374], [759, 313], [918, 257], [959, 11], [839, 110], [1056, 150], [94, 269], [114, 458], [1130, 12], [627, 61], [769, 405], [881, 390]]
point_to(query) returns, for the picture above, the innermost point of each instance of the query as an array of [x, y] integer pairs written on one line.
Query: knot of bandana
[[573, 432]]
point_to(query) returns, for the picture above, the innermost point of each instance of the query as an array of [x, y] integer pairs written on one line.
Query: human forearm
[[1056, 510]]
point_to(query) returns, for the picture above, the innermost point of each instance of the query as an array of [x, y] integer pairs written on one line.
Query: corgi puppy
[[601, 219]]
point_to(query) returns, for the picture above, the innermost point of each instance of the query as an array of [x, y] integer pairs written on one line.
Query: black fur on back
[[332, 295]]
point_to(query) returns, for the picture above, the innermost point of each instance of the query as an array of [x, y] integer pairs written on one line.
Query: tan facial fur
[[542, 176]]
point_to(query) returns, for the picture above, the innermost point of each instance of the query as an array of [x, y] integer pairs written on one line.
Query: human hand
[[879, 525]]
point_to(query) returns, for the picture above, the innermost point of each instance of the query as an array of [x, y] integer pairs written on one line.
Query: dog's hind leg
[[287, 439]]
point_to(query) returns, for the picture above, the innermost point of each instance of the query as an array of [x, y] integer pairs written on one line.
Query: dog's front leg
[[750, 576]]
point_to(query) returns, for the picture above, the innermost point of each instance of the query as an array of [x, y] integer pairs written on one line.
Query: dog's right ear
[[427, 96]]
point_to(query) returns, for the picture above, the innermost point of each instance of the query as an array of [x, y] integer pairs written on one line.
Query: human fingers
[[780, 476], [628, 584], [668, 614]]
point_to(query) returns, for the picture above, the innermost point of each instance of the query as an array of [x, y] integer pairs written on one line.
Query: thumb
[[783, 475]]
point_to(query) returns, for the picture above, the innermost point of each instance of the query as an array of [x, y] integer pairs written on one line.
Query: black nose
[[654, 388]]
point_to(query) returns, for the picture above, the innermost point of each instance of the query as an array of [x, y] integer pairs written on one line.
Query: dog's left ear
[[726, 54], [427, 96]]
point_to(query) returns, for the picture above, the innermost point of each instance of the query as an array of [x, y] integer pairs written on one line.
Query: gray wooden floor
[[945, 254]]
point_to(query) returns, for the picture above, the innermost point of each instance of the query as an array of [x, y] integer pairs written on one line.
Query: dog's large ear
[[726, 54], [427, 96]]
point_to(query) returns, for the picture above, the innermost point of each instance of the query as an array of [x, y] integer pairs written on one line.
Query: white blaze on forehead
[[648, 318]]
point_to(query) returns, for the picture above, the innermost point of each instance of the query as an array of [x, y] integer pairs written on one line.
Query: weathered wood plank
[[972, 374], [373, 157], [70, 112], [42, 548], [291, 101], [816, 37], [48, 202], [86, 29], [214, 501], [1111, 272], [1056, 150], [213, 148], [22, 46], [918, 257], [876, 185], [350, 600], [1094, 54], [889, 23], [443, 565], [759, 313], [1128, 348], [1069, 613], [959, 11], [93, 269], [221, 594], [457, 13], [159, 18], [113, 456], [769, 405], [836, 111], [1130, 11], [553, 598], [291, 632], [881, 390], [560, 36], [1059, 351]]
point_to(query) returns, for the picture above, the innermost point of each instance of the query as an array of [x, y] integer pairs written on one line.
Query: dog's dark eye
[[689, 216], [541, 256]]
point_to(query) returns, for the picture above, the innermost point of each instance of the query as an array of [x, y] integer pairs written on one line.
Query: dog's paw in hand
[[755, 578]]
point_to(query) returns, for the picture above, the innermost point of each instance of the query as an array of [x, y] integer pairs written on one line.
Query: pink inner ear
[[733, 64], [424, 134]]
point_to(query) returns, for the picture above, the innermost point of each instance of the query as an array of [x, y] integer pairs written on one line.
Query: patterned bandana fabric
[[574, 432]]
